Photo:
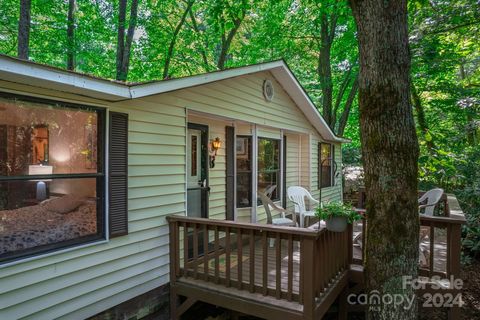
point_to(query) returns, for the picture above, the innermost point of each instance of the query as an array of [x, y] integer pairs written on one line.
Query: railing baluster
[[185, 249], [205, 251], [265, 263], [432, 248], [449, 250], [227, 256], [195, 251], [173, 251], [321, 264], [239, 258], [217, 260], [252, 261], [300, 268], [290, 268], [278, 269]]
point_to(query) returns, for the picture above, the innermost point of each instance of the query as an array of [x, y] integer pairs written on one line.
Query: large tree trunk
[[390, 153], [71, 35], [124, 45], [168, 58], [24, 29]]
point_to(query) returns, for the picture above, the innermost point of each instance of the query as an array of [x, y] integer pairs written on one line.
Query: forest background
[[144, 40]]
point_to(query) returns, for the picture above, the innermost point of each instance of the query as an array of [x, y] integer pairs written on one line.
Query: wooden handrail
[[248, 226], [294, 264], [451, 221]]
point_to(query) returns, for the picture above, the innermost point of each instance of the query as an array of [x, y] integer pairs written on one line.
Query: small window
[[269, 167], [51, 176], [325, 165], [244, 171]]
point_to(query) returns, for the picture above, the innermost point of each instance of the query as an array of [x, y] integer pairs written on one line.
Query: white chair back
[[429, 200], [297, 196]]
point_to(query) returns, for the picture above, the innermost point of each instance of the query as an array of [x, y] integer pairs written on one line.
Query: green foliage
[[444, 44], [337, 209]]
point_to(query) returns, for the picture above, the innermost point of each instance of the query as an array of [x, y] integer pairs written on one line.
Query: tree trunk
[[390, 153], [202, 50], [122, 12], [421, 120], [227, 41], [71, 36], [325, 71], [24, 29], [124, 45], [342, 123], [168, 58]]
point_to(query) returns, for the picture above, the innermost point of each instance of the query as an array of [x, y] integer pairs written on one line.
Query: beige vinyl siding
[[84, 281], [293, 163], [241, 99]]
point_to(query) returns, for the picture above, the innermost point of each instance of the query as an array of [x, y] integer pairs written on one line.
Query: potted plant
[[337, 215]]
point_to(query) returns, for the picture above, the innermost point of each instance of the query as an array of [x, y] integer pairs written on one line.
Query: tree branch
[[168, 58]]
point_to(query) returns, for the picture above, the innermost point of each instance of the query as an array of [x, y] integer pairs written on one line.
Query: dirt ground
[[470, 311]]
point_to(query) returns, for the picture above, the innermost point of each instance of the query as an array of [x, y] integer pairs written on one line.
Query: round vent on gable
[[268, 90]]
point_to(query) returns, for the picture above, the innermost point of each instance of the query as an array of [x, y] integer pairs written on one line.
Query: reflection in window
[[325, 164], [244, 171], [193, 156], [41, 206], [269, 167]]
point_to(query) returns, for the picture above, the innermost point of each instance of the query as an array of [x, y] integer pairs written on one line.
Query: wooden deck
[[256, 264], [279, 272]]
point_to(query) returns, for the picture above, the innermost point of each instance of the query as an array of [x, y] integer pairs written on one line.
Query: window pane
[[35, 214], [244, 171], [65, 140], [326, 164], [244, 189], [269, 167]]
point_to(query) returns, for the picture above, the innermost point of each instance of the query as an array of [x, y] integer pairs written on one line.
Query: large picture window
[[269, 167], [325, 165], [51, 176], [244, 171]]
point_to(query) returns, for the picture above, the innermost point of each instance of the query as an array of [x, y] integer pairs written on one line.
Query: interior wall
[[68, 134]]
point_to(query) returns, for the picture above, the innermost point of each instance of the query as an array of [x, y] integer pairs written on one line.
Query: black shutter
[[333, 165], [230, 166], [118, 174]]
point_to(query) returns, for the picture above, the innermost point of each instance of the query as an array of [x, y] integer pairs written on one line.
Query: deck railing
[[441, 233], [298, 265]]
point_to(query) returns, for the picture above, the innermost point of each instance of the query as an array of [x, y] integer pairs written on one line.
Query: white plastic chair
[[430, 200], [270, 206], [297, 195]]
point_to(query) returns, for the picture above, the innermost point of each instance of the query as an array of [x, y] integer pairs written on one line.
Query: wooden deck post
[[454, 262], [173, 276], [308, 269]]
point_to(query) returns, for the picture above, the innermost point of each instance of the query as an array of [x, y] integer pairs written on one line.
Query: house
[[90, 168]]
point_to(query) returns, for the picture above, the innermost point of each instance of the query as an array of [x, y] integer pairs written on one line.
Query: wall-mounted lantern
[[214, 146]]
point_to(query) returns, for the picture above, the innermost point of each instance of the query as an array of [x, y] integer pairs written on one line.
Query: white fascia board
[[290, 84], [18, 71], [142, 90]]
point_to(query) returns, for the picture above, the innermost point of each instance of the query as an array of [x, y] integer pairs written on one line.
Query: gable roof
[[38, 75]]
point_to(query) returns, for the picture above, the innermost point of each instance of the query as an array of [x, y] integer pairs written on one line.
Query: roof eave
[[22, 72]]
